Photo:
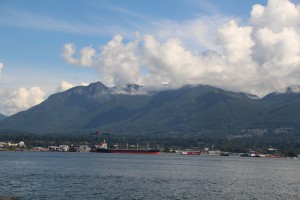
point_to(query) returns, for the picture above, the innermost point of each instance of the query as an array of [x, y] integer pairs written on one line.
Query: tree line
[[288, 145]]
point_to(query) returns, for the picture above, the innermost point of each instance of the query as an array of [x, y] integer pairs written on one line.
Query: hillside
[[2, 117], [75, 110], [195, 109]]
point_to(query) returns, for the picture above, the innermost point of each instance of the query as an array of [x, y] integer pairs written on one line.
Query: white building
[[22, 144]]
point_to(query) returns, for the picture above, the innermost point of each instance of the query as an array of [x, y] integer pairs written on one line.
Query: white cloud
[[86, 55], [64, 85], [84, 84], [1, 67], [68, 52], [21, 99], [236, 41], [258, 57], [277, 15], [119, 63], [170, 61]]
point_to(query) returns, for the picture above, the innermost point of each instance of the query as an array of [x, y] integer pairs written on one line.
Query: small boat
[[190, 153]]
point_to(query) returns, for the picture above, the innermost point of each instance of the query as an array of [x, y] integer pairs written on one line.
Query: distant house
[[10, 144], [64, 148], [22, 144], [54, 148], [3, 144], [84, 148]]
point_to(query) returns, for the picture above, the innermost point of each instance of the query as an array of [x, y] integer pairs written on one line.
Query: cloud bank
[[21, 99], [258, 57]]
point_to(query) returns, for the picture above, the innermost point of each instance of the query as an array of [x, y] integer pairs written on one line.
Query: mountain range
[[196, 109]]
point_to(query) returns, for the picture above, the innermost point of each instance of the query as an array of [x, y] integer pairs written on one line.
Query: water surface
[[58, 175]]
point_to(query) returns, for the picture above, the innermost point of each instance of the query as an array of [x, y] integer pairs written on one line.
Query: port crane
[[98, 134]]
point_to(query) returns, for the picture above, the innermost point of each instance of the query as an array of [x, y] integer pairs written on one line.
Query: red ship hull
[[129, 151]]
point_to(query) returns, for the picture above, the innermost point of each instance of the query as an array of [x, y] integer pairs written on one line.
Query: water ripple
[[50, 175]]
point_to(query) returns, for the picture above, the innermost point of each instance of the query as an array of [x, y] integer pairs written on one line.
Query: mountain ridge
[[126, 109]]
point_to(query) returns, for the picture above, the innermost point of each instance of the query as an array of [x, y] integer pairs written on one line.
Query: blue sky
[[34, 34]]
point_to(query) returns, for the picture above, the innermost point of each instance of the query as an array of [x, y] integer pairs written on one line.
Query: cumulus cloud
[[170, 61], [85, 58], [68, 52], [21, 99], [119, 63], [277, 15], [258, 57], [64, 85]]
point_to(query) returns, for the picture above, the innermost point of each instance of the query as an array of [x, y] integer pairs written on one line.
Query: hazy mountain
[[196, 107], [284, 108], [2, 117], [127, 109], [281, 98]]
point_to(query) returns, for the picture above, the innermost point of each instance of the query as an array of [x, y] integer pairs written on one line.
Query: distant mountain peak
[[97, 84], [293, 89], [128, 88], [289, 90], [94, 90]]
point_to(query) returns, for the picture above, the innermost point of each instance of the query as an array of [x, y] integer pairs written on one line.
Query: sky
[[50, 46]]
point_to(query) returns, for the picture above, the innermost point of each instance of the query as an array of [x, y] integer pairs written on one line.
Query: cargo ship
[[102, 148]]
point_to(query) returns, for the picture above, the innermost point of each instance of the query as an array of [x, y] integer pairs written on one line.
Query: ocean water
[[55, 175]]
